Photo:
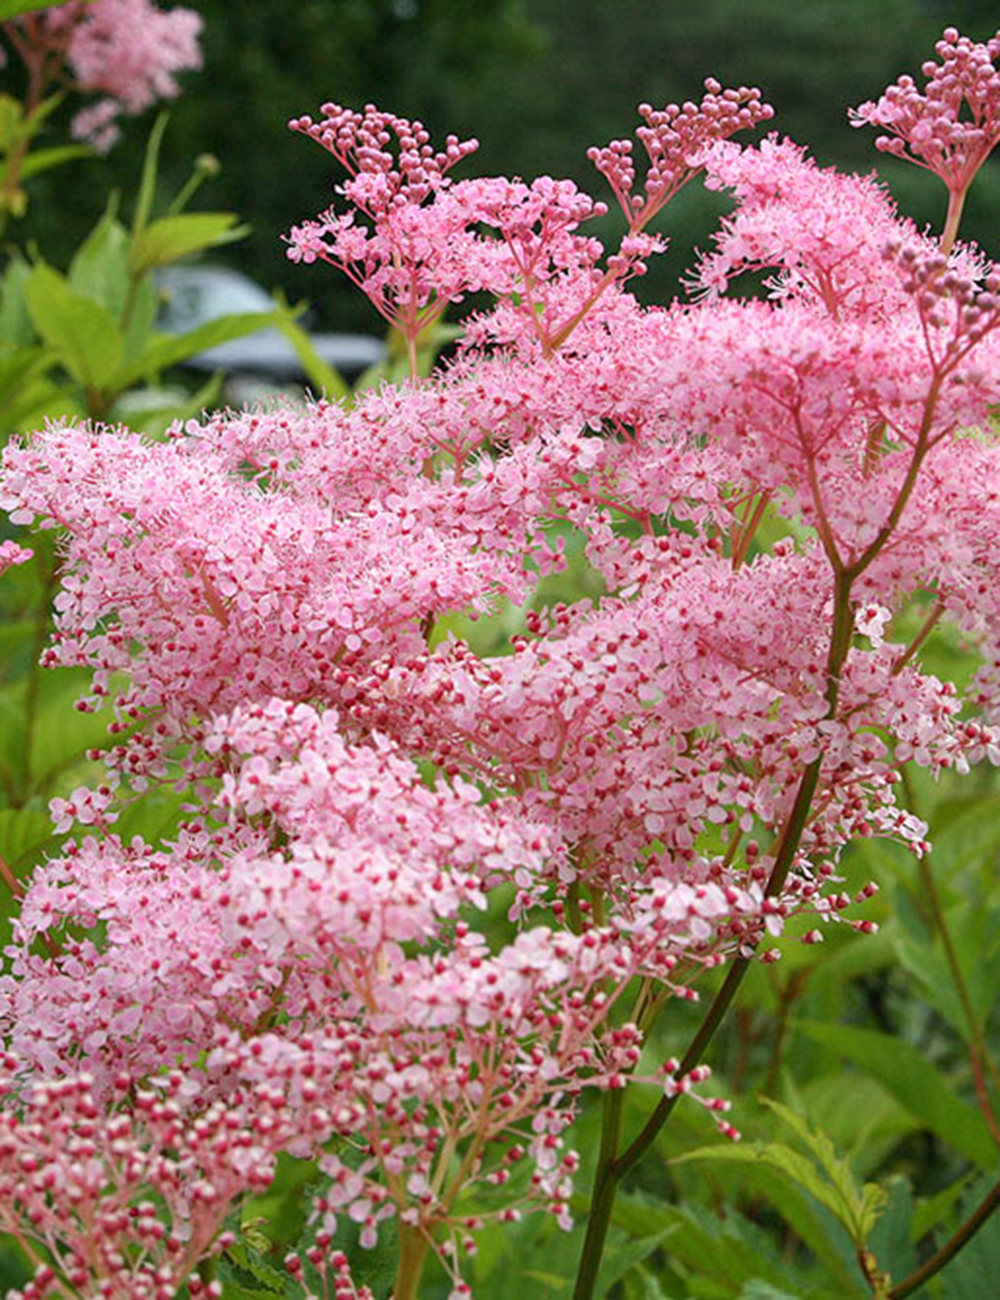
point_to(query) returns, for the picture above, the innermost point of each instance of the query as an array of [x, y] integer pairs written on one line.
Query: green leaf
[[163, 350], [44, 401], [721, 1249], [324, 378], [19, 369], [252, 1262], [24, 832], [172, 238], [862, 1208], [11, 8], [81, 332], [12, 130], [784, 1160], [641, 1284], [62, 734], [904, 1072], [99, 269], [832, 1184], [153, 410], [141, 318], [930, 1212], [972, 1274], [758, 1290], [824, 1235], [43, 159], [891, 1239], [620, 1259], [15, 320]]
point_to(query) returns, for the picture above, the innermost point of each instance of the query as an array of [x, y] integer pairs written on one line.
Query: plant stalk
[[413, 1246], [951, 1247]]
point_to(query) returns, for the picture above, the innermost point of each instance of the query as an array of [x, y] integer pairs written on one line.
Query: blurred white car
[[194, 295]]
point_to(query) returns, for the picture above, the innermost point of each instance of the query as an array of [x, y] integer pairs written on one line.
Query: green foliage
[[820, 1172], [11, 8]]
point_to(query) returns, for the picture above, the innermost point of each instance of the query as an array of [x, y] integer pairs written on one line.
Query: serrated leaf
[[641, 1284], [972, 1274], [824, 1236], [891, 1239], [252, 1262], [621, 1258], [783, 1159], [723, 1246], [930, 1212], [171, 238], [83, 333], [904, 1072]]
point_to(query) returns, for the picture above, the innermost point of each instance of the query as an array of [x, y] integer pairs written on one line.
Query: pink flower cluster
[[767, 508], [128, 51], [953, 124], [125, 1199], [428, 243]]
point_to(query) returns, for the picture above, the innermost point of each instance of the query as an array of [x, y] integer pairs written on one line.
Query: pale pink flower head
[[821, 232], [129, 51], [952, 125]]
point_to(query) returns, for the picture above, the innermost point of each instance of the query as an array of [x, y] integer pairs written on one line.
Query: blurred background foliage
[[536, 81]]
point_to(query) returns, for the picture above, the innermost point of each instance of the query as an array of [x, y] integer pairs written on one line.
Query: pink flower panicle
[[674, 138], [130, 51], [269, 604], [127, 1199], [953, 124], [819, 232], [390, 159]]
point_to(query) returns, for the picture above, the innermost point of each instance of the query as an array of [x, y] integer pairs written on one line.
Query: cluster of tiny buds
[[677, 1084], [363, 143], [674, 137], [332, 1265], [952, 125], [934, 284]]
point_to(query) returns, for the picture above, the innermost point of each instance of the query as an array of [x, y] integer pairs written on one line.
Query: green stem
[[412, 1257], [613, 1167], [951, 1247], [603, 1199]]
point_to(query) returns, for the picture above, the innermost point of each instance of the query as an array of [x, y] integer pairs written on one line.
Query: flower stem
[[951, 1247], [612, 1167], [412, 1257], [956, 202], [603, 1199]]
